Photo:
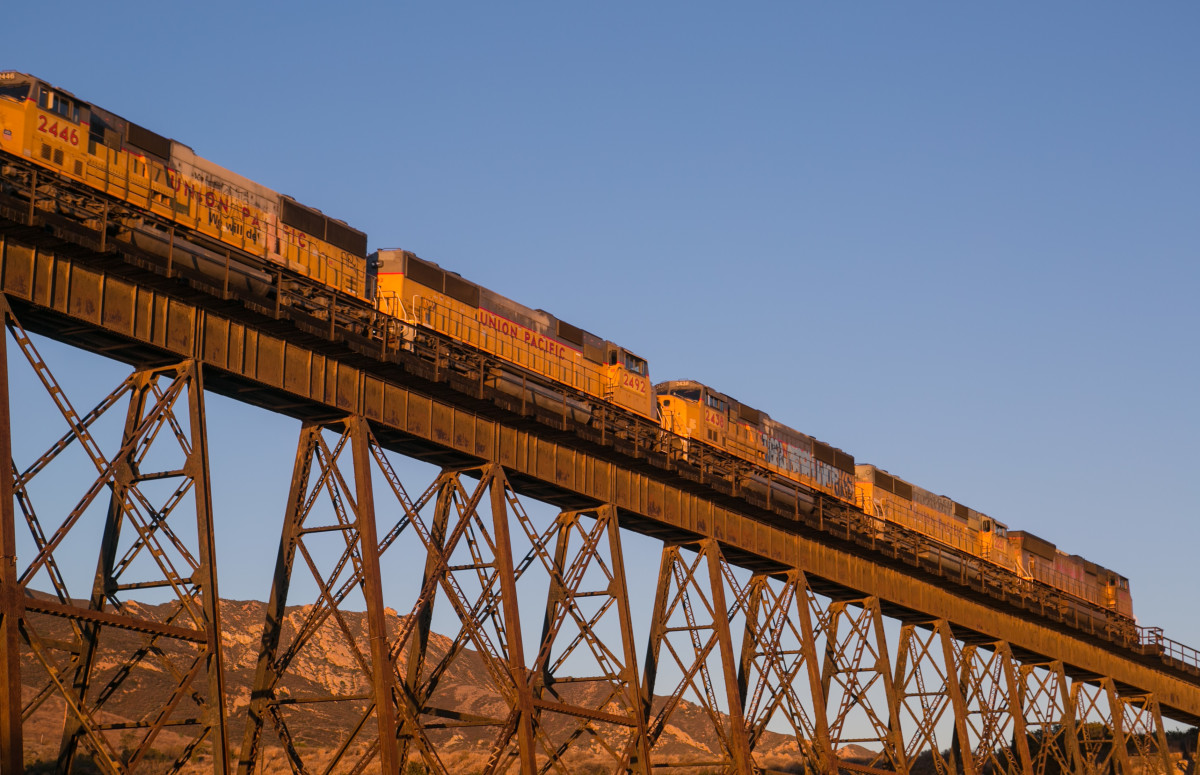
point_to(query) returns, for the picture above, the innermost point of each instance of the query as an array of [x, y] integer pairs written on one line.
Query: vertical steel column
[[658, 627], [423, 615], [641, 763], [505, 568], [895, 733], [955, 670], [825, 754], [1016, 711], [196, 589], [917, 656], [1160, 734], [752, 637], [11, 594], [206, 576], [557, 597], [1161, 738], [382, 673], [1116, 711], [740, 742], [1071, 728], [1044, 702], [266, 675]]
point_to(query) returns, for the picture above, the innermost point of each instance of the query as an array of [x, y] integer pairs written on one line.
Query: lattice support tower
[[158, 471], [758, 628]]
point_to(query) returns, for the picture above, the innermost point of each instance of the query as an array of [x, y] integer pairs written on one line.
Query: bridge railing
[[389, 332], [1154, 642]]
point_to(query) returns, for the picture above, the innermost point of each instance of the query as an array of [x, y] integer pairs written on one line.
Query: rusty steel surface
[[251, 364], [758, 621], [11, 598], [144, 545]]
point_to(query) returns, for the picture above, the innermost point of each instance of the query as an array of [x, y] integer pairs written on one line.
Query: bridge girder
[[1001, 670]]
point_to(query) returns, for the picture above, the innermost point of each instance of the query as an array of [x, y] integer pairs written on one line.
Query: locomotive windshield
[[14, 86]]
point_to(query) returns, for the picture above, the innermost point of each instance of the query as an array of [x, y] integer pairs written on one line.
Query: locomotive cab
[[1117, 596], [628, 380], [993, 540], [694, 411], [31, 109]]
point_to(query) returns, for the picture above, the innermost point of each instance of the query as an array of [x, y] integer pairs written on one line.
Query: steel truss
[[88, 651], [782, 670]]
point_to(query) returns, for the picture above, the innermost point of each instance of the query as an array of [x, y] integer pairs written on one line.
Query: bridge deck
[[114, 303]]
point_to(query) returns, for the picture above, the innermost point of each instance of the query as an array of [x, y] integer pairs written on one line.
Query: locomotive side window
[[56, 103], [628, 360], [635, 364], [714, 403]]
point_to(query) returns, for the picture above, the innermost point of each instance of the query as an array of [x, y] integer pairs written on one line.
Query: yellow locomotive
[[1042, 561], [536, 355], [695, 411], [951, 523], [422, 293], [880, 494], [79, 141]]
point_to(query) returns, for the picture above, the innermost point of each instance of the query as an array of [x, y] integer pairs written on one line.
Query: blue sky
[[958, 241]]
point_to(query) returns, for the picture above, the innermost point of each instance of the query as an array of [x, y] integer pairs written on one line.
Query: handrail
[[1152, 641], [1148, 640]]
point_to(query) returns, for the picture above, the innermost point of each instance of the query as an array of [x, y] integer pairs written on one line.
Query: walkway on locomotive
[[84, 142]]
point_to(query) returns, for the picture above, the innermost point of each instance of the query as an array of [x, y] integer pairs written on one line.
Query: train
[[534, 356], [165, 179]]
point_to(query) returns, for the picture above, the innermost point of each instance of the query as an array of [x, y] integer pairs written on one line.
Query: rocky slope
[[137, 684]]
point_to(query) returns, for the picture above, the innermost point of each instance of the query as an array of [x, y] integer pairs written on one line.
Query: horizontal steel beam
[[141, 318], [43, 606]]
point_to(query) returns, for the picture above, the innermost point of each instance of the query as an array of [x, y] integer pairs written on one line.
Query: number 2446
[[67, 134]]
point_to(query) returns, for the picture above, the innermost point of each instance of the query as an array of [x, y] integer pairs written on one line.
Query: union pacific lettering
[[523, 334], [224, 212]]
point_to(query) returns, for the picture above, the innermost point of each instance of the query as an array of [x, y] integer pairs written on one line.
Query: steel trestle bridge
[[831, 626]]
